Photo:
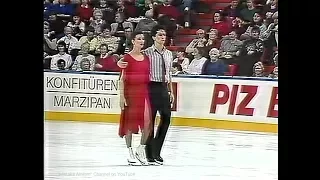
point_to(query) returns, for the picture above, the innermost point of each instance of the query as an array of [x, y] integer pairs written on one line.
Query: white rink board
[[98, 93]]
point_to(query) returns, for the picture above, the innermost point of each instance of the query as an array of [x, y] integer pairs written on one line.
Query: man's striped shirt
[[156, 63]]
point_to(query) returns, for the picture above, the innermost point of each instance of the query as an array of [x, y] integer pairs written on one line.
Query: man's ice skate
[[152, 162], [131, 159], [141, 154]]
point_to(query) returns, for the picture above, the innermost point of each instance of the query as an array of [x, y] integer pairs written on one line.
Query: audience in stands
[[215, 66], [62, 54], [213, 40], [182, 61], [258, 22], [197, 64], [221, 24], [105, 38], [78, 27], [258, 70], [230, 44], [85, 56], [250, 53], [199, 41], [125, 43], [84, 11], [117, 28], [91, 35], [106, 61]]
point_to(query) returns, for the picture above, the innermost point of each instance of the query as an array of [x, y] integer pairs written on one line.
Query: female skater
[[134, 99]]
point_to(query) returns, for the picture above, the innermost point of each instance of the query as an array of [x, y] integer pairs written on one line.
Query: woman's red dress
[[137, 112]]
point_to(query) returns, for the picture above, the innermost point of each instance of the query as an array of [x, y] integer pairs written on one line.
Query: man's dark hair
[[155, 29]]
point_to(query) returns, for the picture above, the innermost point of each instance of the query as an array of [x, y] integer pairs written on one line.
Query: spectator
[[63, 10], [215, 66], [197, 64], [238, 25], [147, 23], [61, 55], [78, 27], [49, 41], [106, 62], [274, 73], [220, 24], [72, 42], [125, 44], [143, 6], [46, 9], [258, 70], [229, 46], [176, 68], [233, 10], [88, 38], [85, 56], [108, 10], [96, 21], [118, 27], [271, 7], [258, 22], [84, 11], [270, 37], [105, 38], [170, 17], [56, 25], [182, 61], [213, 40], [247, 13], [128, 8], [61, 64], [250, 53], [85, 65], [199, 41]]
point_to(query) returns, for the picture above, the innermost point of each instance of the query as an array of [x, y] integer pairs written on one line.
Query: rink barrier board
[[193, 107], [176, 121]]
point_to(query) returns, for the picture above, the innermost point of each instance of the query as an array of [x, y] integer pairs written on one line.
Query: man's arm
[[170, 89]]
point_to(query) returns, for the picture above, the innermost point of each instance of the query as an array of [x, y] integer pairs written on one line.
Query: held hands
[[123, 102], [171, 97], [122, 64]]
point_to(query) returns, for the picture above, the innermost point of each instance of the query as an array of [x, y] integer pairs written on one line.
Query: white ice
[[94, 151]]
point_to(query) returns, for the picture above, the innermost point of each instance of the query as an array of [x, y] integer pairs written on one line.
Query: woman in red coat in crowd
[[220, 24], [106, 62], [85, 11], [134, 98]]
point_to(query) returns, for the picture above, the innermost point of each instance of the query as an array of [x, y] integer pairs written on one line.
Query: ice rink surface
[[94, 151]]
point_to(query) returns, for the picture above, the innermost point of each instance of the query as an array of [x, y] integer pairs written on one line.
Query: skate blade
[[159, 163], [134, 164], [153, 164]]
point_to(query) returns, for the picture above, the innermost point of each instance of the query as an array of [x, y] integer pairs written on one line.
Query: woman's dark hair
[[135, 33]]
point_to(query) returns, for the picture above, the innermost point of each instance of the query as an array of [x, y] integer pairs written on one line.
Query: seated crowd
[[92, 35]]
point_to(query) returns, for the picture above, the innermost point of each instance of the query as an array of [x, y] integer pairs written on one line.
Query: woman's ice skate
[[141, 155], [131, 159]]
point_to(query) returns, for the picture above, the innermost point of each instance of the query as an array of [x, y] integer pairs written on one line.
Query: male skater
[[160, 89]]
